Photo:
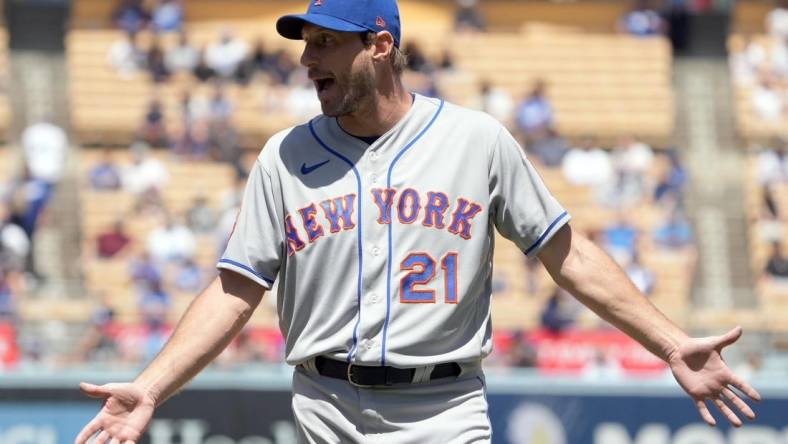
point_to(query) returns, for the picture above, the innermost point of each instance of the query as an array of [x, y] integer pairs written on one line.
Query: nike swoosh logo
[[308, 169]]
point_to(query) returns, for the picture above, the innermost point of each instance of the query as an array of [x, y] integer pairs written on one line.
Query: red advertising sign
[[603, 350], [9, 354]]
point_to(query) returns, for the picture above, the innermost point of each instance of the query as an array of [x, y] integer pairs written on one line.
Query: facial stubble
[[356, 89]]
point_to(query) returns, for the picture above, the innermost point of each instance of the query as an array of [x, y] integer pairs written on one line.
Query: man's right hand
[[125, 413]]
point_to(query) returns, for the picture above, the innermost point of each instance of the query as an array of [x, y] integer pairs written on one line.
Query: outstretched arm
[[212, 320], [579, 266]]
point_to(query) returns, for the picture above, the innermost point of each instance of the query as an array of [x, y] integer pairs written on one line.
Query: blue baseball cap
[[344, 16]]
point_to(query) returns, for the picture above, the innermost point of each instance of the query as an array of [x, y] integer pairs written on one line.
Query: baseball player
[[377, 220]]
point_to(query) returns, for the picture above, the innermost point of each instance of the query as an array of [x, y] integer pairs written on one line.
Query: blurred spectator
[[145, 172], [183, 57], [188, 277], [194, 108], [282, 68], [30, 196], [674, 232], [632, 162], [777, 20], [587, 165], [769, 209], [620, 239], [247, 349], [144, 273], [446, 61], [154, 308], [130, 15], [766, 99], [8, 296], [203, 71], [495, 101], [99, 343], [643, 20], [154, 131], [534, 115], [559, 313], [226, 146], [633, 158], [104, 175], [14, 242], [171, 241], [769, 227], [45, 145], [167, 15], [773, 164], [549, 149], [201, 218], [777, 264], [226, 55], [522, 353], [467, 17], [125, 56], [113, 241], [220, 107], [262, 61], [154, 303], [744, 64], [417, 61], [157, 67], [194, 142], [670, 185], [642, 277], [149, 204]]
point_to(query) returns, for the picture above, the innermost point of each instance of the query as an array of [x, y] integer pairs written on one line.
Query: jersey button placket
[[375, 254]]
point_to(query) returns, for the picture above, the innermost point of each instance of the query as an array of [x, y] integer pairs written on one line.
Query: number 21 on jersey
[[421, 270]]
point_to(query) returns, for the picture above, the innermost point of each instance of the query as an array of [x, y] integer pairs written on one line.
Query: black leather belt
[[364, 376]]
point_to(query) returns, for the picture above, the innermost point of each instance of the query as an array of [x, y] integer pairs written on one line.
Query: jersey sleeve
[[254, 249], [522, 208]]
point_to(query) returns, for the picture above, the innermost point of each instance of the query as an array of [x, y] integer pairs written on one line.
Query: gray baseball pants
[[449, 410]]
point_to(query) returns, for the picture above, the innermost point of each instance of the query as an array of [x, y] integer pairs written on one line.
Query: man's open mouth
[[323, 84]]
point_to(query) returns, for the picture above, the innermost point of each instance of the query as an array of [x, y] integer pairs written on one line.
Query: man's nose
[[308, 58]]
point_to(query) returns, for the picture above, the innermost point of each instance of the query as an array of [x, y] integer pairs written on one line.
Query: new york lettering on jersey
[[338, 215]]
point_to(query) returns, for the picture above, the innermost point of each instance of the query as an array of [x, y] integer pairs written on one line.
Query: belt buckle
[[351, 381]]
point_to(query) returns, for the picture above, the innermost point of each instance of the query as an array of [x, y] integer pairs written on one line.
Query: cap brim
[[290, 26]]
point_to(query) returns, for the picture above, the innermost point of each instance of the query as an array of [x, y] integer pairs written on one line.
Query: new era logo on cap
[[344, 16]]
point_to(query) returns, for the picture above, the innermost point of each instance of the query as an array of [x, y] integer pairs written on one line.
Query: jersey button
[[374, 178], [374, 155], [373, 298], [375, 251], [369, 344]]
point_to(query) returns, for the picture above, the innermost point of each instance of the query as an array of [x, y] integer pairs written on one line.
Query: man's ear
[[383, 45]]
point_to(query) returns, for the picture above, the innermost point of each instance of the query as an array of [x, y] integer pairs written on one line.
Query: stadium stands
[[759, 76]]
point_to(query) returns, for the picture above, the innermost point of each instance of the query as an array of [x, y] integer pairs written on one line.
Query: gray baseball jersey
[[383, 251]]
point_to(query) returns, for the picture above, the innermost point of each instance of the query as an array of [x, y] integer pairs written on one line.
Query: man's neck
[[380, 114]]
